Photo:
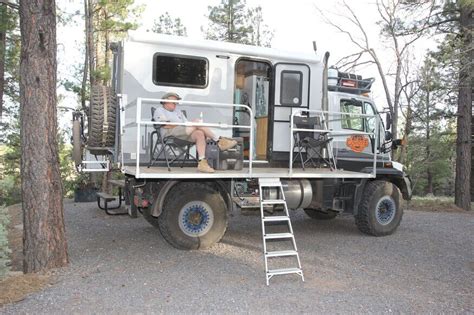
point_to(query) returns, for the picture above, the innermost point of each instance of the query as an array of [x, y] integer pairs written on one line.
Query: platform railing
[[138, 123], [334, 133]]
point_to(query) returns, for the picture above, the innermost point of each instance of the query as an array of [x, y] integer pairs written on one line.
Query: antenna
[[315, 48]]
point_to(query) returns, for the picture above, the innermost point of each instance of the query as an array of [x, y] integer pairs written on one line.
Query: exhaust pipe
[[324, 101]]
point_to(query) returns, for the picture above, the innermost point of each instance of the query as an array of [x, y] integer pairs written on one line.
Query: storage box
[[232, 159]]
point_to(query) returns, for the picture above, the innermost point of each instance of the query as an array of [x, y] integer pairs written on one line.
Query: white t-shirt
[[163, 115]]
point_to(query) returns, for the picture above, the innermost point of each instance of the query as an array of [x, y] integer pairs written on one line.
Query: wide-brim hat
[[169, 94]]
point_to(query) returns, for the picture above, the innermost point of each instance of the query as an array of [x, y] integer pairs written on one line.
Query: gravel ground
[[123, 265]]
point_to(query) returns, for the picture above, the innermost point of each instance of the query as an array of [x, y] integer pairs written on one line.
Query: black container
[[232, 159], [87, 194]]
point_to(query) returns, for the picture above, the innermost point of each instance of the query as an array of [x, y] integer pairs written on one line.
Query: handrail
[[333, 132], [139, 122]]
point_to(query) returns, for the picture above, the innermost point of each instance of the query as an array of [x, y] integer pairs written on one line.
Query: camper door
[[291, 91]]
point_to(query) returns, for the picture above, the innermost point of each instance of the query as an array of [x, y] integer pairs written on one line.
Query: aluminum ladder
[[269, 273]]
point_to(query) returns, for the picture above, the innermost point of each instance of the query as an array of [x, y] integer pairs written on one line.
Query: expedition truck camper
[[309, 137]]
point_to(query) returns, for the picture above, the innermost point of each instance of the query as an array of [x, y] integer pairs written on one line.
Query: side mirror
[[389, 121], [388, 135], [396, 143]]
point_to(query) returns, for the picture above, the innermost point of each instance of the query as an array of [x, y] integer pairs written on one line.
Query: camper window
[[291, 88], [348, 121], [178, 70]]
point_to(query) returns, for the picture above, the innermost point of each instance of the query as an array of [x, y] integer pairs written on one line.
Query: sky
[[296, 24]]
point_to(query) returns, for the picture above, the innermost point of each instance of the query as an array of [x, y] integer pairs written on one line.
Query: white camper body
[[274, 84]]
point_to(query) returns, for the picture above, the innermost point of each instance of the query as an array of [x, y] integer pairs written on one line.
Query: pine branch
[[10, 4]]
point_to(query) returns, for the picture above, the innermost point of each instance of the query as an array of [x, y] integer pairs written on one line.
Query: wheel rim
[[196, 218], [385, 210]]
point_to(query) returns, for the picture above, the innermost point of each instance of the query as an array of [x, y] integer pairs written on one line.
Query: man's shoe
[[203, 167], [226, 144]]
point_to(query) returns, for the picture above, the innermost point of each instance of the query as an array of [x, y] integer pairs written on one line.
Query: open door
[[291, 82], [252, 89]]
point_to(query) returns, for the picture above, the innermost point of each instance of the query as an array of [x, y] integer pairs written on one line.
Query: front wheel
[[194, 216], [379, 211]]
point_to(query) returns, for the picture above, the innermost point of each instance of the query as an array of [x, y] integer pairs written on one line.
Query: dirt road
[[123, 265]]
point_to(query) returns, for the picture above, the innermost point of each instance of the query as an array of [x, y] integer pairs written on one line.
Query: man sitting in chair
[[196, 134]]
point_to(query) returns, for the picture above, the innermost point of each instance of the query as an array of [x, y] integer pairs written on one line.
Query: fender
[[160, 199], [397, 177]]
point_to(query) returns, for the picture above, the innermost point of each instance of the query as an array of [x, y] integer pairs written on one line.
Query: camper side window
[[291, 88], [350, 121], [178, 70]]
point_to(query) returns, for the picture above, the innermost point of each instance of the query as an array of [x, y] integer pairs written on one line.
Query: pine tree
[[167, 25], [261, 35], [229, 22], [9, 59], [43, 213]]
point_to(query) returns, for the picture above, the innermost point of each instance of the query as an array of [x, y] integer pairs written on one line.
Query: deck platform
[[257, 172]]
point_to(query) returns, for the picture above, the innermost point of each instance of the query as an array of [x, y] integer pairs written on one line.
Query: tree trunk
[[90, 41], [406, 135], [462, 196], [44, 240], [86, 65], [3, 17], [429, 174]]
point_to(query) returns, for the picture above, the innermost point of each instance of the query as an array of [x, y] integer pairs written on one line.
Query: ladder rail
[[265, 258], [269, 273]]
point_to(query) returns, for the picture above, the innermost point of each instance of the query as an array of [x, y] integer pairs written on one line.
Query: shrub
[[4, 250], [9, 190]]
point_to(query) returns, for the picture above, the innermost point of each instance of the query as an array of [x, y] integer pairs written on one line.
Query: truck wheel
[[320, 215], [149, 218], [194, 216], [379, 211], [102, 111], [76, 143]]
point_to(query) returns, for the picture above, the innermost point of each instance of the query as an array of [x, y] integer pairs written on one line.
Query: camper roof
[[223, 47]]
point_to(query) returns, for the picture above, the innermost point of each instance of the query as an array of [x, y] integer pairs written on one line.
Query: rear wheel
[[379, 212], [194, 216]]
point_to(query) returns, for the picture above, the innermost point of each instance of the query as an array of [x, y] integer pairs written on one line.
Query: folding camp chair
[[167, 145], [310, 145]]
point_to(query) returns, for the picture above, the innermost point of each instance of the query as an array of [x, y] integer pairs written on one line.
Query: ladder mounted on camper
[[275, 183]]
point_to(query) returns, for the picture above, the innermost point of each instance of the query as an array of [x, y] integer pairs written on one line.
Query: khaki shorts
[[178, 132]]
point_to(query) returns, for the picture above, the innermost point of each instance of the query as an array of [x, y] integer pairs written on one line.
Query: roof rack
[[348, 82]]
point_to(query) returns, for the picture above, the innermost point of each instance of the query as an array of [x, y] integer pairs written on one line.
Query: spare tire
[[102, 117]]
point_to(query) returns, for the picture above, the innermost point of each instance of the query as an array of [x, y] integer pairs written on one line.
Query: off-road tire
[[149, 218], [320, 215], [76, 143], [102, 119], [182, 194], [366, 217]]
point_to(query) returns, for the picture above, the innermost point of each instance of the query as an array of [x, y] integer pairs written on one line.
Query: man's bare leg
[[223, 143], [200, 140]]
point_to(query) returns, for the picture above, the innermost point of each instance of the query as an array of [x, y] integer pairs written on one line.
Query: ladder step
[[269, 182], [284, 271], [276, 218], [281, 253], [273, 202], [277, 235]]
